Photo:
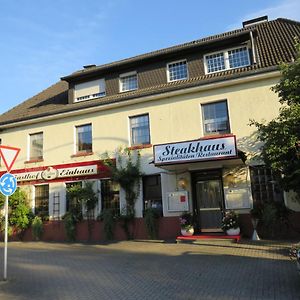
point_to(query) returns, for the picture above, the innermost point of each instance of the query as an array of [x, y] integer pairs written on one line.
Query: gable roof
[[274, 44]]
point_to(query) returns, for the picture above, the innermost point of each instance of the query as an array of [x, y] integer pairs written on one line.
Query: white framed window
[[215, 118], [225, 60], [177, 70], [128, 82], [84, 138], [89, 90], [36, 146], [41, 201], [139, 130]]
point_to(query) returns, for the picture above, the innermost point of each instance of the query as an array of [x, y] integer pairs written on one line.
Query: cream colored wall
[[171, 119], [177, 118]]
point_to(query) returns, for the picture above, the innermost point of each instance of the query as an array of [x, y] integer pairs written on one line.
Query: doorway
[[208, 200]]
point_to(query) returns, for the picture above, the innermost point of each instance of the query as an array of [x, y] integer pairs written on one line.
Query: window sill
[[80, 154], [32, 161], [138, 147], [215, 135]]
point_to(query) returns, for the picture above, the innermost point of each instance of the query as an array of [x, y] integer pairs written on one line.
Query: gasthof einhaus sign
[[196, 150]]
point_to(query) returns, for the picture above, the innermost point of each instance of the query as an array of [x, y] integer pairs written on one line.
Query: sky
[[42, 40]]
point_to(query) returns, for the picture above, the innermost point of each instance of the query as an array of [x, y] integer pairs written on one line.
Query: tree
[[281, 136]]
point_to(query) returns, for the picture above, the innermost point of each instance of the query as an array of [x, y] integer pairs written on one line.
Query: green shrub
[[37, 228], [151, 221], [70, 226], [20, 214], [109, 221]]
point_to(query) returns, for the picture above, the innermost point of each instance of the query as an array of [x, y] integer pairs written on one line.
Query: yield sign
[[9, 156]]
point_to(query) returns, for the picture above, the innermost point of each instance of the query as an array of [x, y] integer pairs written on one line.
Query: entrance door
[[208, 201]]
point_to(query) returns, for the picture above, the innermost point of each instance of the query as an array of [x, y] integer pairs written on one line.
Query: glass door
[[208, 201]]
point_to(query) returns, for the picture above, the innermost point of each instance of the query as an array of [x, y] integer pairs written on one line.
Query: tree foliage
[[127, 173], [281, 136], [20, 214]]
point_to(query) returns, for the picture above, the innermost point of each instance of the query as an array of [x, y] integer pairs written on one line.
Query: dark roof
[[274, 44]]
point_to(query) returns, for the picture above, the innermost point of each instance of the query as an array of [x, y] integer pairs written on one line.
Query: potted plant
[[186, 224], [230, 223], [295, 254]]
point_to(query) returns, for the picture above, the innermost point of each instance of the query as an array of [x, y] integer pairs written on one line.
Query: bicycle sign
[[8, 184]]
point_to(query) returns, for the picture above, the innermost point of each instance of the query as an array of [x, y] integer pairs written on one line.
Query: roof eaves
[[200, 81]]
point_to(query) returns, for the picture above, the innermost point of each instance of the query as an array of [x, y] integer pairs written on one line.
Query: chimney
[[89, 66], [255, 21]]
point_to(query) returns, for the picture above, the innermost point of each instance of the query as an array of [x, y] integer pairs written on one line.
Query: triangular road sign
[[9, 156]]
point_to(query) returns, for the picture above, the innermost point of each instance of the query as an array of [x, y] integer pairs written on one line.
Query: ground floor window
[[152, 192], [42, 201], [264, 185], [73, 203], [110, 195]]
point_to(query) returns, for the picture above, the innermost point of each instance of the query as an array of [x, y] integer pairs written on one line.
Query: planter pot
[[187, 232], [233, 231]]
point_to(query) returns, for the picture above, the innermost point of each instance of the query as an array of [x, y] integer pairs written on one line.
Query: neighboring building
[[187, 108]]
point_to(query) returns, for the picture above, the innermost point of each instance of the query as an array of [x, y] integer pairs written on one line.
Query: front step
[[211, 237]]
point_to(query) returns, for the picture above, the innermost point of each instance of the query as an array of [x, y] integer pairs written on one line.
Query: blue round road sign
[[8, 184]]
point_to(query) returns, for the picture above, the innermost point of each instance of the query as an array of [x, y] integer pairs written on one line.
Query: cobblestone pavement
[[148, 270]]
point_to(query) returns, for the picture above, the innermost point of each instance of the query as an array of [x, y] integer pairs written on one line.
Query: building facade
[[187, 110]]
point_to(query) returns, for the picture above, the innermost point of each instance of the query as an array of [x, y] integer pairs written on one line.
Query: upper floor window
[[84, 138], [89, 90], [215, 118], [229, 59], [177, 70], [36, 146], [128, 82], [139, 130]]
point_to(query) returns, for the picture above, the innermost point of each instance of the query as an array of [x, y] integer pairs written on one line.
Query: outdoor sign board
[[195, 150]]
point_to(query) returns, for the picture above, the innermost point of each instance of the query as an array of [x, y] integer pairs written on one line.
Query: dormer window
[[226, 60], [89, 90], [177, 70], [128, 82]]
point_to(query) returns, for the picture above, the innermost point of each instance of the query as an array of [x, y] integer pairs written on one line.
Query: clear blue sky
[[44, 40]]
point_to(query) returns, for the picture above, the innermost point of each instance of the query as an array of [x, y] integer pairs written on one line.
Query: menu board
[[237, 198], [178, 201]]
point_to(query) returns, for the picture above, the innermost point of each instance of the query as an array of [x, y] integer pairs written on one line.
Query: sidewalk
[[145, 270]]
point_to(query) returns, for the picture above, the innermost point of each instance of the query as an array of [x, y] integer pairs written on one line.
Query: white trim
[[74, 139], [206, 87], [174, 62], [76, 136], [204, 133], [28, 146], [253, 48], [226, 59], [135, 116], [124, 75], [93, 89]]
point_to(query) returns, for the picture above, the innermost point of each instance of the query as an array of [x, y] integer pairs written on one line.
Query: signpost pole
[[8, 185], [5, 239]]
